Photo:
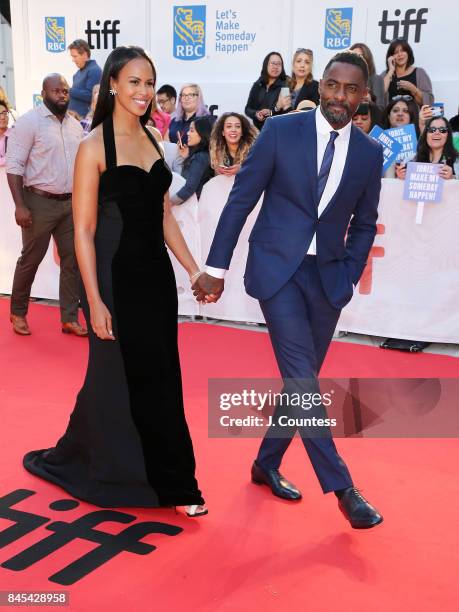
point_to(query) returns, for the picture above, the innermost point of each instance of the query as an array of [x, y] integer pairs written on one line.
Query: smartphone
[[179, 140], [285, 91], [438, 109]]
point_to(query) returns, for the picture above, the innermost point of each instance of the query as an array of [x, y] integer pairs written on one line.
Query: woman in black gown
[[127, 442]]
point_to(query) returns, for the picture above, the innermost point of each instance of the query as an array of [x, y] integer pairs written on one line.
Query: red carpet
[[253, 551]]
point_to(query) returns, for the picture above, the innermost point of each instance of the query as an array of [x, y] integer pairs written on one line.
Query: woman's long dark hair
[[117, 59], [405, 45], [367, 56], [423, 150], [264, 69], [203, 126], [218, 147]]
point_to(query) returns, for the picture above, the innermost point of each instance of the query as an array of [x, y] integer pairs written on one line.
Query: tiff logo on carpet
[[83, 528]]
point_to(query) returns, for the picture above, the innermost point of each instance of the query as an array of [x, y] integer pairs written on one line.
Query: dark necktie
[[326, 165]]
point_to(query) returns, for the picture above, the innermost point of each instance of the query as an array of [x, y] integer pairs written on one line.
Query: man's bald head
[[55, 93]]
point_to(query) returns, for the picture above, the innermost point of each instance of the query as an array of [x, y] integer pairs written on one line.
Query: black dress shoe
[[276, 482], [357, 510]]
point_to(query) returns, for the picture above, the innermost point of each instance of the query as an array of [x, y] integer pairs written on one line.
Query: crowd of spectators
[[200, 145]]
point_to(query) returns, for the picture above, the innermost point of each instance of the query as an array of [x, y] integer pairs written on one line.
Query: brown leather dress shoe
[[20, 325], [73, 327]]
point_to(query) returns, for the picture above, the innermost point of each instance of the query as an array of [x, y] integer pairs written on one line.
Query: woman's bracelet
[[195, 275]]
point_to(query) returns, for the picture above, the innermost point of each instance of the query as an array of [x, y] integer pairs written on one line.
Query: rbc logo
[[55, 34], [37, 100], [189, 32], [338, 26]]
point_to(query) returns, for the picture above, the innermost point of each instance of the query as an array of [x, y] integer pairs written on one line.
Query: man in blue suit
[[321, 179]]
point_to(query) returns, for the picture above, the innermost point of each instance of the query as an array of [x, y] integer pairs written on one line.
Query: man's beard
[[57, 109], [337, 118]]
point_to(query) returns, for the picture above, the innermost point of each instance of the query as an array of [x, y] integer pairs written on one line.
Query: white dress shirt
[[323, 129]]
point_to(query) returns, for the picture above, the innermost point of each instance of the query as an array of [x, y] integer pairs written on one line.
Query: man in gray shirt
[[41, 153]]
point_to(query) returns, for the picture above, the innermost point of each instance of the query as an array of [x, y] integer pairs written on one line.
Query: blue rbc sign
[[338, 28], [55, 34], [190, 32], [37, 100]]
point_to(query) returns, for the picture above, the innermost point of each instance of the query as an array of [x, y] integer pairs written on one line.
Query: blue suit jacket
[[283, 164]]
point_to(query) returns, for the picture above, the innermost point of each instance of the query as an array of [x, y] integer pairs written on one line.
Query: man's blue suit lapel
[[309, 146]]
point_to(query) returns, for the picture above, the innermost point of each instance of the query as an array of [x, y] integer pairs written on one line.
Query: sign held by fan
[[423, 183]]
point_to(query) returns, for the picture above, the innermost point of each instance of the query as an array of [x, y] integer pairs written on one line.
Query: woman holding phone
[[301, 85], [265, 91], [193, 161], [402, 77]]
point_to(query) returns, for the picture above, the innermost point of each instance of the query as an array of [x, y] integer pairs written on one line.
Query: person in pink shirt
[[160, 120]]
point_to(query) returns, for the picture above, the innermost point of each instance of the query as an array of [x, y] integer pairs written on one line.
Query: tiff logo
[[109, 29], [413, 18], [58, 534]]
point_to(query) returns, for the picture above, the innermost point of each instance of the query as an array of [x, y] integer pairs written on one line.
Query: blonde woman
[[302, 85], [230, 143], [190, 106], [11, 111]]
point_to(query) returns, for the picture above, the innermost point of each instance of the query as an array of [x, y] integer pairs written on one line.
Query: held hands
[[101, 321], [207, 288]]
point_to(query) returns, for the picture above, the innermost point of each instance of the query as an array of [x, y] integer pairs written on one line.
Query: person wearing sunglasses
[[302, 85], [190, 106], [435, 146], [265, 92]]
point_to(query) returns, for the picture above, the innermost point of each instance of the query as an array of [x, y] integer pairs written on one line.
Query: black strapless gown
[[127, 442]]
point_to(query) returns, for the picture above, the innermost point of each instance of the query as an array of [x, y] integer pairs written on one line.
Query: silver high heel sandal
[[196, 510]]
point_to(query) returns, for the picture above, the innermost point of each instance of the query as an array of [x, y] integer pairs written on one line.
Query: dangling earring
[[113, 92]]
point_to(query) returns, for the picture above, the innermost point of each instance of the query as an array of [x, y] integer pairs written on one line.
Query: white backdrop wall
[[410, 287], [261, 26]]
